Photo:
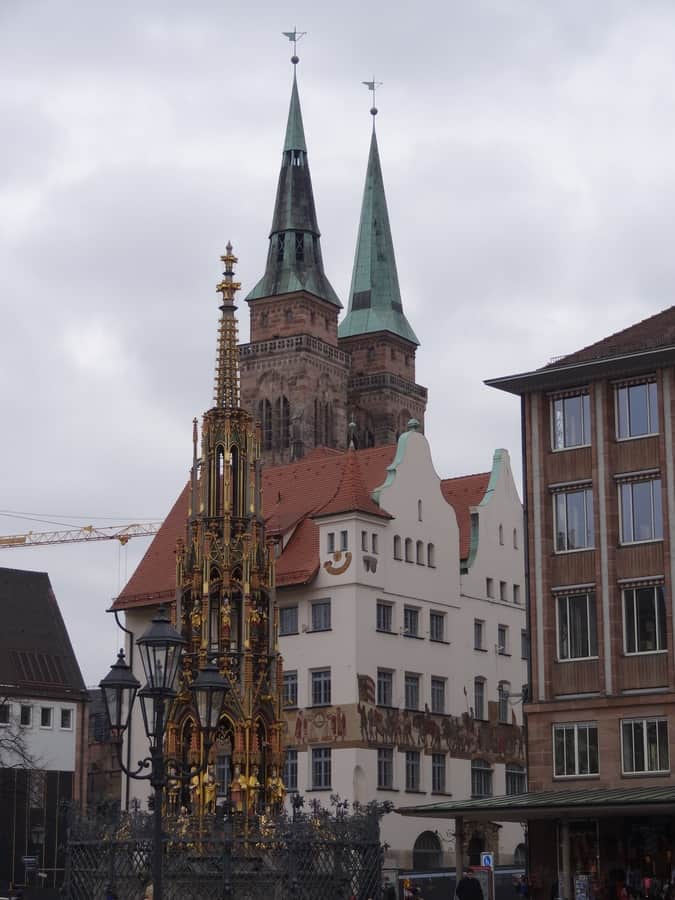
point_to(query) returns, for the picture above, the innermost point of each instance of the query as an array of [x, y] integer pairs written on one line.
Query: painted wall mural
[[365, 724]]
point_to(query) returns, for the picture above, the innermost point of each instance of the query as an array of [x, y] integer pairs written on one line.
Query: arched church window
[[265, 418], [285, 423], [281, 241], [299, 246]]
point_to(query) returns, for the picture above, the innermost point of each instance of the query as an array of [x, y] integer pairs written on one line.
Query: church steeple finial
[[294, 261], [226, 388], [375, 297]]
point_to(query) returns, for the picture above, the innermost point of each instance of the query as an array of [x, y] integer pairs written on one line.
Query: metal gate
[[318, 855]]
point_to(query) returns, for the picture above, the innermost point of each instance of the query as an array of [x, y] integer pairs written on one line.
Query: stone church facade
[[309, 381]]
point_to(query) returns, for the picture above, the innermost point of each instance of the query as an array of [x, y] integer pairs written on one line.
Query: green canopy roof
[[375, 297], [596, 801]]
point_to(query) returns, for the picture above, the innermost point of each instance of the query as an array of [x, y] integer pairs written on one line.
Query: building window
[[515, 538], [575, 749], [290, 691], [478, 634], [437, 626], [437, 695], [431, 556], [644, 746], [419, 510], [331, 542], [26, 715], [524, 644], [5, 712], [637, 410], [644, 620], [503, 639], [641, 513], [299, 246], [438, 773], [364, 541], [490, 587], [408, 550], [46, 716], [321, 615], [503, 702], [412, 770], [288, 620], [344, 540], [321, 768], [501, 535], [37, 787], [516, 594], [385, 768], [574, 520], [479, 698], [373, 544], [419, 554], [515, 780], [66, 719], [502, 591], [411, 621], [280, 248], [397, 546], [577, 629], [412, 691], [481, 778], [385, 687], [571, 421], [321, 688], [384, 617], [291, 770]]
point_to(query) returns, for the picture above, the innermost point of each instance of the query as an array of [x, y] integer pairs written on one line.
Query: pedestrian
[[149, 893], [469, 887]]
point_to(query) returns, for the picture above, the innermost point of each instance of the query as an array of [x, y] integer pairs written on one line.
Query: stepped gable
[[36, 655], [462, 494], [649, 334]]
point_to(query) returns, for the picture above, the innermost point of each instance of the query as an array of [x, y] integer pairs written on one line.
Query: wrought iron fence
[[317, 854]]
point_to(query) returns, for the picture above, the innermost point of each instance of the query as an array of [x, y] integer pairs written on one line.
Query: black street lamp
[[160, 648]]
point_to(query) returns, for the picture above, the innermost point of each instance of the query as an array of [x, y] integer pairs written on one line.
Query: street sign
[[487, 860]]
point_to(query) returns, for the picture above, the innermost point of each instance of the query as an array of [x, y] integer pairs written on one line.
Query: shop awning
[[590, 802]]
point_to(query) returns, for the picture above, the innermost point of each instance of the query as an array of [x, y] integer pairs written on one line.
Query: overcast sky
[[528, 153]]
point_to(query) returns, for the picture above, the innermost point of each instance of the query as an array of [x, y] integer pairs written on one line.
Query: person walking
[[469, 887]]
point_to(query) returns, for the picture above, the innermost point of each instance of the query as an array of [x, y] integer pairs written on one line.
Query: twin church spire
[[303, 377]]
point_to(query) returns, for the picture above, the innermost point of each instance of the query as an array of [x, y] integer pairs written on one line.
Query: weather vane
[[373, 86], [294, 36]]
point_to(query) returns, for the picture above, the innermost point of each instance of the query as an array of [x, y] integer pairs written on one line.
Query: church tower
[[225, 601], [293, 375], [382, 393]]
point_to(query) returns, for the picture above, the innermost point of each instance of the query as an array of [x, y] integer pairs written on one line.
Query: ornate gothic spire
[[294, 260], [226, 388], [374, 297]]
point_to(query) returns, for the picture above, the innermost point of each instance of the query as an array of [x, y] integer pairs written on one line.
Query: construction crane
[[121, 533]]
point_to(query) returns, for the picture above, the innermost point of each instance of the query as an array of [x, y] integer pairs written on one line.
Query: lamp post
[[160, 649]]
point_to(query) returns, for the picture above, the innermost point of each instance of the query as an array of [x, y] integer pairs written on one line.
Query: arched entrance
[[475, 848], [427, 852]]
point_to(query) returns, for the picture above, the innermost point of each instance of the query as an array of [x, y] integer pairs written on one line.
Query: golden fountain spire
[[226, 387]]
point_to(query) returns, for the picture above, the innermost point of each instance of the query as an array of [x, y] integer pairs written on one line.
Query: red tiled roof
[[351, 493], [649, 334], [325, 481], [463, 493]]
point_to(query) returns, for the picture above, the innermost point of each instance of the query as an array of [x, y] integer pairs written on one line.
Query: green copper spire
[[374, 296], [294, 260], [295, 133]]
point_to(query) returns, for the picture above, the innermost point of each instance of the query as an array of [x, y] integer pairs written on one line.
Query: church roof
[[375, 297], [36, 655], [326, 482], [294, 261]]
